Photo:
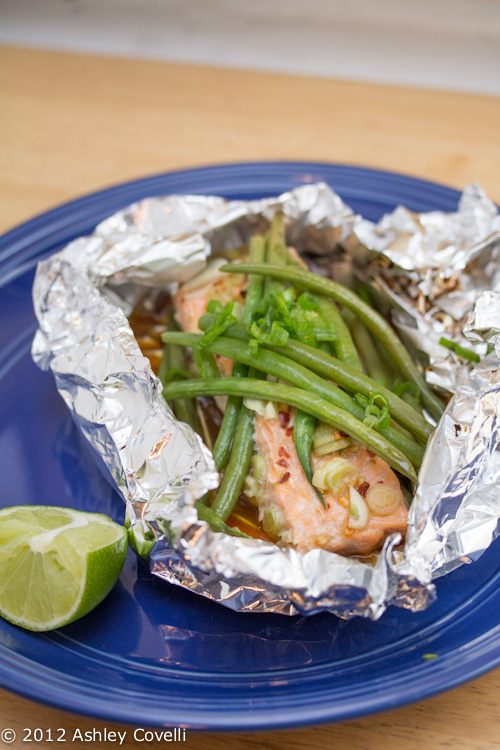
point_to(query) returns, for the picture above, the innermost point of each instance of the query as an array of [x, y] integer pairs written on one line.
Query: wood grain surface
[[71, 124]]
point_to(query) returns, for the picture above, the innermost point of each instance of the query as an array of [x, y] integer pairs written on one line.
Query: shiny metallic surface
[[428, 270]]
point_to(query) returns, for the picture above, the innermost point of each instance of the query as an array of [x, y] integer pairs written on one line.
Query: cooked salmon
[[192, 299], [305, 523]]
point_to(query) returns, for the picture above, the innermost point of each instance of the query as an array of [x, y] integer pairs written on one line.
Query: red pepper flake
[[328, 506], [282, 452], [282, 462], [285, 477], [289, 431], [362, 489], [343, 434], [243, 293], [370, 453], [284, 418], [458, 429]]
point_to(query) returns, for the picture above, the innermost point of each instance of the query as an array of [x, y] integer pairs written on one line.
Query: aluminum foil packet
[[437, 272], [430, 269]]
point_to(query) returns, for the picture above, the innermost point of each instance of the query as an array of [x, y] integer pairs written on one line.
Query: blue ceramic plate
[[152, 653]]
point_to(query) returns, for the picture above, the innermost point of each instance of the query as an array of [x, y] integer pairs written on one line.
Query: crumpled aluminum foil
[[431, 268], [82, 297]]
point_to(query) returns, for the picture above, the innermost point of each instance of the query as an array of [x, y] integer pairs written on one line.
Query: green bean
[[309, 402], [215, 522], [239, 461], [323, 347], [255, 285], [207, 368], [345, 376], [273, 363], [205, 362], [369, 354], [390, 369], [460, 351], [343, 344], [255, 288], [373, 321], [222, 445], [277, 253], [164, 366], [303, 432], [408, 496]]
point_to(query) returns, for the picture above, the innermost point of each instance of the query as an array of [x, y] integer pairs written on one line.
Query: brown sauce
[[148, 322], [246, 518]]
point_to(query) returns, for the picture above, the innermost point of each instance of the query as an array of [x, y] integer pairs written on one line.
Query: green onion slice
[[377, 414], [221, 324]]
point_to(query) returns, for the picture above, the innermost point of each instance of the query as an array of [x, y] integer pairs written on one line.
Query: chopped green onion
[[222, 323], [430, 657], [377, 414], [281, 308], [277, 336], [307, 301], [460, 351]]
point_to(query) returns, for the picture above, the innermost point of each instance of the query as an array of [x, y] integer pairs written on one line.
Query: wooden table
[[72, 124]]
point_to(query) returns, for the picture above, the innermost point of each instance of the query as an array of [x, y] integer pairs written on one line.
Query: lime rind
[[56, 564]]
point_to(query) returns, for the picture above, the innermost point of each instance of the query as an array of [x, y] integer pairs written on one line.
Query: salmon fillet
[[306, 524], [191, 303]]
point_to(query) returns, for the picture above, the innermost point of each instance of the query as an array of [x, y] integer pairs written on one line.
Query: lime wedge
[[56, 564]]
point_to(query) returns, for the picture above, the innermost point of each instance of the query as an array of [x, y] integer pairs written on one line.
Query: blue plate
[[152, 653]]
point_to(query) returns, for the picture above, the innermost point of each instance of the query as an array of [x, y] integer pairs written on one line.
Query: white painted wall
[[446, 44]]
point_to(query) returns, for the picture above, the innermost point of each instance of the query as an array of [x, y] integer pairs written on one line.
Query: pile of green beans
[[323, 382], [370, 317], [273, 363], [344, 375]]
